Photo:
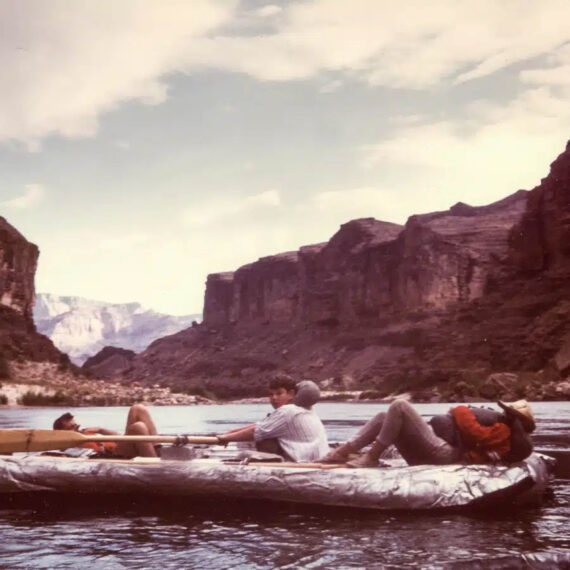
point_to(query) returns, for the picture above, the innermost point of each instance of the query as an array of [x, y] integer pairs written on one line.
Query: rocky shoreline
[[72, 391], [43, 383], [50, 384]]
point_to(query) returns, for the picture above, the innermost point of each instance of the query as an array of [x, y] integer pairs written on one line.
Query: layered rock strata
[[371, 268]]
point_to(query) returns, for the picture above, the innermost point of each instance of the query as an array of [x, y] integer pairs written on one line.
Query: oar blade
[[26, 440]]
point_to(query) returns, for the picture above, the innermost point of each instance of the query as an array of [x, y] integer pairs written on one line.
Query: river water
[[157, 533]]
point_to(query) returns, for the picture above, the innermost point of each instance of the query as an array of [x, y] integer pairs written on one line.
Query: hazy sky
[[145, 144]]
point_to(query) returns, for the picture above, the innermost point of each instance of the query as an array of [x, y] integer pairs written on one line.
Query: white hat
[[521, 410]]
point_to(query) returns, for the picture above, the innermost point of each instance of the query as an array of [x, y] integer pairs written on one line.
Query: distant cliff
[[18, 262], [18, 336], [82, 327], [436, 306], [30, 364]]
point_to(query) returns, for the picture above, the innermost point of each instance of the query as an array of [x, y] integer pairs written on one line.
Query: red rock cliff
[[541, 240], [370, 268], [18, 336], [18, 262], [439, 304]]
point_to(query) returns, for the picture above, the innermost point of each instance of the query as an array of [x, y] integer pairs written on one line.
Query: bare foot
[[363, 461]]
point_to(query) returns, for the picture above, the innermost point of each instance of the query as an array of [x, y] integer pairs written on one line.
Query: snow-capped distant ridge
[[50, 305], [81, 327]]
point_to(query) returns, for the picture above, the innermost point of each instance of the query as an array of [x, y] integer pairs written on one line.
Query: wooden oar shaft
[[290, 465], [152, 439], [26, 440]]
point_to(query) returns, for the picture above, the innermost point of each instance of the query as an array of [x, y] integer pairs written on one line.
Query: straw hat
[[520, 410]]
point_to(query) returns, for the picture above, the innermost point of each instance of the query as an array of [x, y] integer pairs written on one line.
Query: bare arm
[[234, 430], [239, 434]]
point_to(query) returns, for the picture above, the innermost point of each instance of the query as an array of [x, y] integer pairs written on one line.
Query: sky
[[144, 144]]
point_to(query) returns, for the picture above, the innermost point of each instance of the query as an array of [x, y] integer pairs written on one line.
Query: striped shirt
[[300, 432]]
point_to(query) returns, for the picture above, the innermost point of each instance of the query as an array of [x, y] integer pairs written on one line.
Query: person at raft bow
[[470, 435], [139, 422], [293, 430]]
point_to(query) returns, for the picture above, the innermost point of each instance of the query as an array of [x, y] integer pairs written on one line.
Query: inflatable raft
[[390, 488]]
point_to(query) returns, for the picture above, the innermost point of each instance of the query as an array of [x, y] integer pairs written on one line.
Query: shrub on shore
[[3, 400], [200, 389], [33, 398]]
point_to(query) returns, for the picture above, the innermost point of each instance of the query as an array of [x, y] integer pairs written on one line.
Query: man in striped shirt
[[297, 429]]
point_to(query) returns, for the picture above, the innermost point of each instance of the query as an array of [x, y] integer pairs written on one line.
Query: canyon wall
[[541, 240], [371, 268], [437, 307], [18, 336], [18, 263]]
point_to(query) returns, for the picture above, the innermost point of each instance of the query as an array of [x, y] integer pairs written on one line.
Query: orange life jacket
[[104, 448], [480, 440]]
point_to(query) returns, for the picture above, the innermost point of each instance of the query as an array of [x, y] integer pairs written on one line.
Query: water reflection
[[256, 535]]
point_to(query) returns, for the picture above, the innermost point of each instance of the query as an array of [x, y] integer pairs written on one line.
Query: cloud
[[123, 145], [331, 86], [555, 73], [337, 207], [268, 198], [124, 243], [33, 196], [211, 212], [165, 271], [410, 46], [63, 64], [268, 11], [497, 150], [355, 199]]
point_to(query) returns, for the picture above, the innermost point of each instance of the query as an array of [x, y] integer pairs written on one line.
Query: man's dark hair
[[60, 422], [282, 381]]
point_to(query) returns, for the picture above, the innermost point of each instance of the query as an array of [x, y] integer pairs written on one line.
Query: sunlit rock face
[[18, 262], [541, 241], [82, 327], [371, 268]]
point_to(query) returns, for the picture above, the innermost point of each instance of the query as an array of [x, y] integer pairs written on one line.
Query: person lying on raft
[[293, 430], [464, 435], [139, 422]]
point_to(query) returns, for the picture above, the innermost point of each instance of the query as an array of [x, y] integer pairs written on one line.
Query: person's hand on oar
[[222, 440]]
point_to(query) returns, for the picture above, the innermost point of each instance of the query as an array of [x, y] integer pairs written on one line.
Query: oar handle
[[27, 440]]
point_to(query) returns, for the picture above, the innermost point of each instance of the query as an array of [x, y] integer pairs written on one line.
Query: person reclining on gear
[[470, 435], [293, 430], [139, 422]]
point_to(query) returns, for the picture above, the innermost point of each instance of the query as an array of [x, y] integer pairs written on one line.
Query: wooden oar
[[17, 440], [288, 465]]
